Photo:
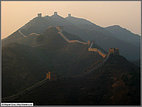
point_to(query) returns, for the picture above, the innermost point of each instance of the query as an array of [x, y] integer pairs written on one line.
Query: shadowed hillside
[[124, 34], [28, 59], [116, 82]]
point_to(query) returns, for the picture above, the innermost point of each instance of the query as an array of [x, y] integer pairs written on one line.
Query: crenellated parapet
[[60, 28], [89, 42], [48, 75], [92, 49], [101, 53], [98, 51], [114, 51], [51, 76]]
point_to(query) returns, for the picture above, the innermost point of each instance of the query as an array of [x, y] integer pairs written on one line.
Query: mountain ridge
[[87, 30], [88, 72], [123, 33], [45, 48]]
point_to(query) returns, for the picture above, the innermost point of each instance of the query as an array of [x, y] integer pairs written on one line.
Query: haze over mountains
[[112, 36], [83, 76]]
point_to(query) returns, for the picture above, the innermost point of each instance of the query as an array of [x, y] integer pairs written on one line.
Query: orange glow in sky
[[127, 14]]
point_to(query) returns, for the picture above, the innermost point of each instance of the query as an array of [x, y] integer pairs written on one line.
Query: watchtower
[[69, 15], [39, 15], [89, 42], [111, 50], [48, 75], [114, 51], [51, 76], [55, 13]]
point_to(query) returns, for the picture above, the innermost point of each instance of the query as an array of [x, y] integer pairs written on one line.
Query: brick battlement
[[114, 51], [59, 29], [97, 50], [51, 76]]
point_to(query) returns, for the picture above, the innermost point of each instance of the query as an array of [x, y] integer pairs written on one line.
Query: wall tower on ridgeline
[[114, 51], [39, 15], [69, 15], [48, 76], [55, 13], [89, 42], [51, 76]]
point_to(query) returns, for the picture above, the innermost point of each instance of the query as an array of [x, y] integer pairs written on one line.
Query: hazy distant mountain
[[124, 34], [129, 47], [83, 23], [116, 82]]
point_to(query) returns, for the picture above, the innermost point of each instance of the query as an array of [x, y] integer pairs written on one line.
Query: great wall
[[29, 34], [59, 29], [50, 76], [111, 50], [22, 33], [114, 51], [25, 91], [97, 50]]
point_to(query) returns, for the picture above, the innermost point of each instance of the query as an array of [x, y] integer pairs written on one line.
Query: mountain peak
[[117, 26], [55, 15], [120, 29]]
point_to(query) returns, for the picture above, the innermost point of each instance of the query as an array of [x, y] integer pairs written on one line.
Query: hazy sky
[[14, 14]]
